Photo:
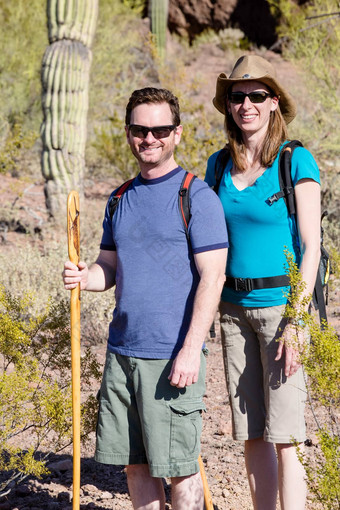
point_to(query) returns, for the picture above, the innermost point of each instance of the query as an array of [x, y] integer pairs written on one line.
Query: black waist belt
[[249, 284]]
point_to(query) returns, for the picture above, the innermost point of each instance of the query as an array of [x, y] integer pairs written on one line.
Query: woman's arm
[[307, 196]]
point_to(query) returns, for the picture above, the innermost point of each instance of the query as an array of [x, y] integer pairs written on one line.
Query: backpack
[[183, 199], [320, 300]]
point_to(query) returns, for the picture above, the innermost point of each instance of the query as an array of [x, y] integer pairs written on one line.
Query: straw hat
[[253, 67]]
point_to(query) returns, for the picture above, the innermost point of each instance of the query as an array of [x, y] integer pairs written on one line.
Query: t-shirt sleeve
[[207, 227], [107, 242], [304, 166]]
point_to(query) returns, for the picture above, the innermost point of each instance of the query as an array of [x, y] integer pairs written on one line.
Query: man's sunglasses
[[254, 97], [157, 131]]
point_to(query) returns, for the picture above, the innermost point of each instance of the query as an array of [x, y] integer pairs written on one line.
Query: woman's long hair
[[276, 134]]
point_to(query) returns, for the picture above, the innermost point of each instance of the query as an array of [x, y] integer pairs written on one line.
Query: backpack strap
[[117, 196], [287, 193], [220, 164], [321, 284], [285, 177], [184, 207], [184, 199], [319, 300]]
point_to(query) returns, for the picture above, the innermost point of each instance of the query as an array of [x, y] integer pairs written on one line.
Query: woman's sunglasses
[[254, 97], [157, 131]]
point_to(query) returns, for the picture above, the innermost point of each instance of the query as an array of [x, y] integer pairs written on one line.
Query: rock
[[89, 489], [62, 465], [106, 495], [225, 493], [23, 491], [64, 496]]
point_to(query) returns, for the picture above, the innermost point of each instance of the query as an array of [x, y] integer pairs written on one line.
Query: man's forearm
[[204, 310], [102, 273], [98, 279]]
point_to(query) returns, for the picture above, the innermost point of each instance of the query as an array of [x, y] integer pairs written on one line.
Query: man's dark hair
[[153, 95]]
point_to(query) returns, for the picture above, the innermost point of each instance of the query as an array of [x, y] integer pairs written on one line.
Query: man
[[167, 291]]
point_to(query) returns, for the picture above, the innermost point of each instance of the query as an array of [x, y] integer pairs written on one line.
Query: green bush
[[14, 143], [35, 386], [320, 359]]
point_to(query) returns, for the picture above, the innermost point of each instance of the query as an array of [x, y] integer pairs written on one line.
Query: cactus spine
[[65, 82], [158, 14]]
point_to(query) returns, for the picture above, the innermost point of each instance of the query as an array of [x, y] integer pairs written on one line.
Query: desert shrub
[[23, 38], [226, 39], [310, 36], [111, 146], [39, 274], [35, 386], [199, 139], [14, 142], [321, 362], [137, 6]]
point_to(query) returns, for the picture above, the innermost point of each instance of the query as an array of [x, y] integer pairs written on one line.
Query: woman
[[265, 380]]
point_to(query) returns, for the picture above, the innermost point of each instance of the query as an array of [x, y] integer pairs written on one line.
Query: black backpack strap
[[287, 190], [117, 196], [319, 299], [220, 164], [184, 199], [285, 177]]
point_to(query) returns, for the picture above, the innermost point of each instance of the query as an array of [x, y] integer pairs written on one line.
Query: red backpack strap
[[184, 199], [117, 196]]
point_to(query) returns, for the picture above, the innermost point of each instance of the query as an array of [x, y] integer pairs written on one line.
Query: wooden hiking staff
[[208, 504], [74, 253]]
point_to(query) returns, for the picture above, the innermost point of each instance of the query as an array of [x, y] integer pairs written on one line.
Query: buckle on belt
[[243, 284]]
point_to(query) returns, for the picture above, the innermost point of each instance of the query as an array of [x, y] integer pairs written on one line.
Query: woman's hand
[[291, 345]]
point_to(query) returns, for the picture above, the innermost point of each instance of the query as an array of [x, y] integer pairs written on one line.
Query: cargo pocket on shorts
[[186, 428]]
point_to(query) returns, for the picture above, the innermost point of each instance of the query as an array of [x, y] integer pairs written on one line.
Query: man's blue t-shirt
[[156, 277], [259, 233]]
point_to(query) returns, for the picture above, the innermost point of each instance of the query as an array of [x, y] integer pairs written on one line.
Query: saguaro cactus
[[158, 14], [65, 81]]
